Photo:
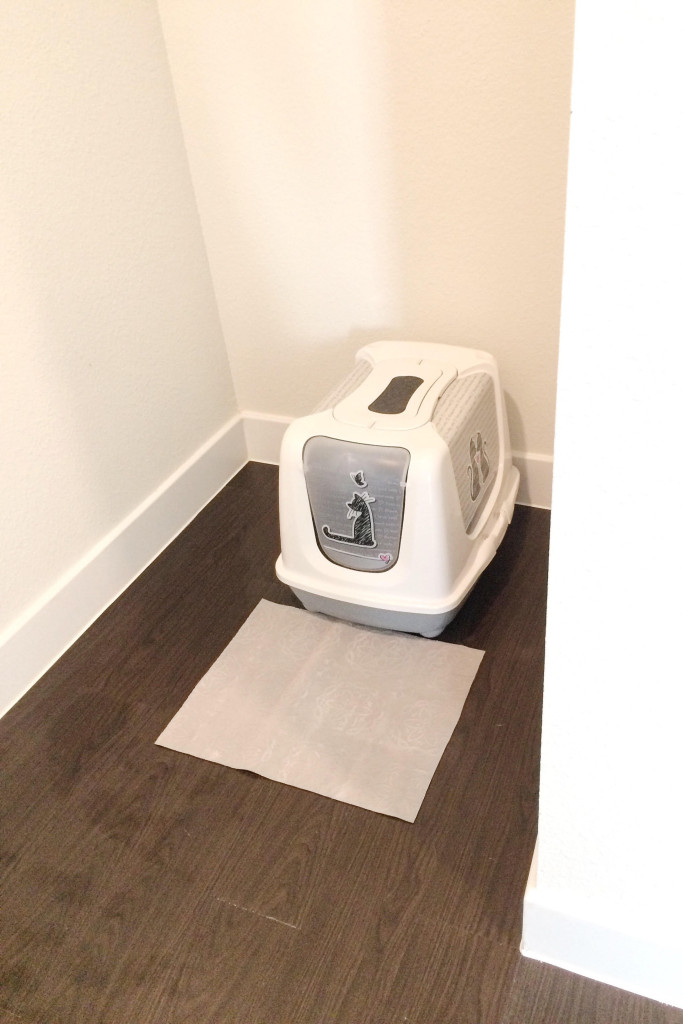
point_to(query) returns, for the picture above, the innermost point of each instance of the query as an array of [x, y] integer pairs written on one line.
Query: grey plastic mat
[[353, 713]]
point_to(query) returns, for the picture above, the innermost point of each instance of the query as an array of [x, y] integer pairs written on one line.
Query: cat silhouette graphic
[[478, 469], [363, 533]]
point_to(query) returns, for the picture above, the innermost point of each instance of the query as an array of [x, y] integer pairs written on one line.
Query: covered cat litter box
[[396, 493]]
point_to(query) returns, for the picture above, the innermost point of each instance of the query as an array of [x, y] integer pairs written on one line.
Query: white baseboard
[[49, 628], [63, 613], [566, 937], [264, 432], [535, 479]]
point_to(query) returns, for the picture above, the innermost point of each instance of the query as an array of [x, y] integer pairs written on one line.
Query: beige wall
[[112, 365], [362, 170], [379, 169]]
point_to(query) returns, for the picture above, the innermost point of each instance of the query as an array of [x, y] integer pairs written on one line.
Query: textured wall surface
[[379, 169], [112, 365]]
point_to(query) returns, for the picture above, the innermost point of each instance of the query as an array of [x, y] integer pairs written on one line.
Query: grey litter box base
[[382, 618]]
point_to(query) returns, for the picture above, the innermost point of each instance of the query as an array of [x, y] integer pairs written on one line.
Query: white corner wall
[[606, 896], [369, 169], [113, 371]]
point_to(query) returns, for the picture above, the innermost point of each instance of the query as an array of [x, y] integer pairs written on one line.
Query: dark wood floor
[[143, 886]]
